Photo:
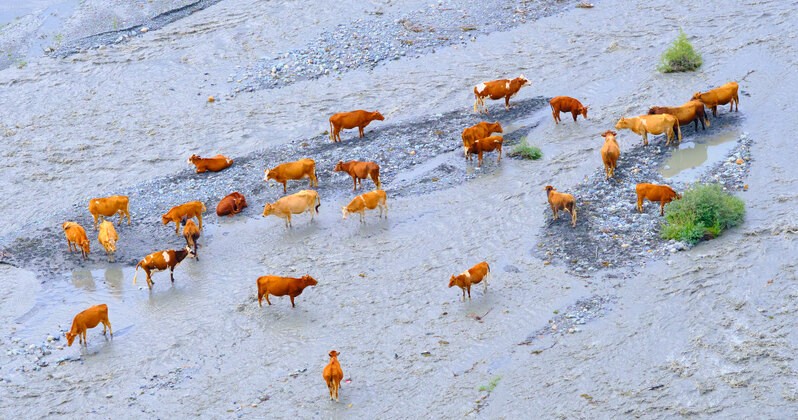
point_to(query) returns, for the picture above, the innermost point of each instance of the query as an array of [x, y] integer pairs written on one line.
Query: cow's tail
[[136, 273], [678, 131], [318, 203], [203, 208], [331, 131]]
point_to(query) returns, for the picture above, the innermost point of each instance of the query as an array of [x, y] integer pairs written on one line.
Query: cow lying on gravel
[[497, 89], [213, 164], [487, 144], [76, 238], [352, 119], [333, 374], [300, 169], [161, 261], [473, 275], [610, 153], [183, 212], [360, 170], [654, 192], [303, 201], [725, 94], [566, 104], [366, 201], [561, 201], [281, 286], [109, 206], [231, 204], [89, 318], [479, 131]]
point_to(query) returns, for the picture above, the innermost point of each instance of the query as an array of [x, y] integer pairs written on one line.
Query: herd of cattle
[[477, 139]]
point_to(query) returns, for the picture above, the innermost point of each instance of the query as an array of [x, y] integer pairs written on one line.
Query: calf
[[302, 168], [352, 119], [88, 319], [566, 104], [473, 275], [653, 192], [333, 374], [497, 89], [692, 111], [191, 233], [487, 144], [213, 164], [726, 94], [360, 170], [654, 124], [479, 131], [561, 201], [231, 204], [610, 153], [109, 206], [297, 203], [76, 237], [281, 286], [370, 201], [160, 261], [108, 237], [183, 212]]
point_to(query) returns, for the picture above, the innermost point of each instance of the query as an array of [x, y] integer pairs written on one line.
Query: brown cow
[[691, 111], [654, 124], [487, 144], [213, 164], [333, 374], [370, 201], [479, 131], [654, 192], [108, 237], [473, 275], [497, 89], [726, 94], [109, 206], [76, 237], [300, 169], [192, 233], [566, 104], [281, 286], [610, 153], [231, 204], [160, 261], [296, 203], [183, 212], [352, 119], [89, 318], [360, 170], [561, 201]]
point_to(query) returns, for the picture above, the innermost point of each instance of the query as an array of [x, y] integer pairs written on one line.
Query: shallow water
[[692, 158], [707, 324]]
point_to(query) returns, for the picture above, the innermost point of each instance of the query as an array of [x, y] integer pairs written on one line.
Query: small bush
[[491, 385], [680, 56], [524, 151], [704, 212]]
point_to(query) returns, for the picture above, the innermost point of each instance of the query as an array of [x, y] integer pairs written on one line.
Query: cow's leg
[[354, 183], [507, 103], [575, 114], [554, 115], [292, 301], [715, 111], [645, 138], [96, 219], [639, 204], [149, 278], [499, 159], [85, 341], [172, 273], [662, 207], [284, 186], [177, 227], [469, 291], [554, 211], [479, 159], [267, 299], [463, 289], [199, 218], [363, 216]]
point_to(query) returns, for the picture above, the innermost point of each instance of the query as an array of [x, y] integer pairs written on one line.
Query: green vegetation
[[524, 151], [490, 386], [680, 56], [703, 213]]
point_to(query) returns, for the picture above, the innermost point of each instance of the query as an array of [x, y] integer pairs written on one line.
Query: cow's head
[[609, 135], [308, 281], [696, 96], [166, 219], [339, 166], [268, 209], [583, 111], [452, 281], [345, 212], [377, 116], [193, 158], [623, 123], [549, 189], [495, 127], [70, 338], [189, 253], [334, 354], [523, 81], [85, 246], [269, 174]]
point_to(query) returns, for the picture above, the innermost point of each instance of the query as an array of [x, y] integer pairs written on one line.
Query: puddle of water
[[692, 158]]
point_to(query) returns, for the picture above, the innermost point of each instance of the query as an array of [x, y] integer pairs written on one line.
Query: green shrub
[[704, 212], [680, 56], [491, 385], [524, 151]]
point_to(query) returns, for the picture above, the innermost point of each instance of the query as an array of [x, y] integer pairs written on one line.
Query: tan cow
[[370, 201], [214, 164], [352, 119], [300, 169], [654, 124], [479, 131], [610, 153], [473, 275], [360, 170], [333, 374], [88, 319], [108, 237], [161, 261], [726, 94], [296, 203], [561, 201], [76, 237], [109, 206], [497, 89], [654, 192], [183, 212]]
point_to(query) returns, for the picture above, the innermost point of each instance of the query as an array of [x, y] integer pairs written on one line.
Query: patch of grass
[[704, 212], [681, 56], [491, 385], [524, 151]]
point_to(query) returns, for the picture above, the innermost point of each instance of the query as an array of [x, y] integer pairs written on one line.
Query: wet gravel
[[383, 35], [610, 232], [416, 157], [570, 319]]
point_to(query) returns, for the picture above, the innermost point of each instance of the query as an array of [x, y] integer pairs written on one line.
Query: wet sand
[[709, 331]]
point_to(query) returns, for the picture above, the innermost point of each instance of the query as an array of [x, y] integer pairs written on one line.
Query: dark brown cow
[[231, 204], [566, 104]]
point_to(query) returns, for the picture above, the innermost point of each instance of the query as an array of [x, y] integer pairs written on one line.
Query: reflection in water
[[113, 281], [691, 158], [83, 279]]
